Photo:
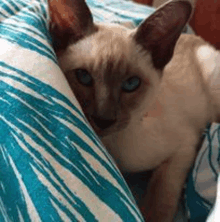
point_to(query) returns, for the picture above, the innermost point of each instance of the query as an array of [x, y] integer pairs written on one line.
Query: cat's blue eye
[[84, 77], [131, 84]]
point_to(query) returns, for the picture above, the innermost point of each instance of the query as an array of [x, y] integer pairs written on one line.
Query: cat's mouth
[[103, 123], [102, 126]]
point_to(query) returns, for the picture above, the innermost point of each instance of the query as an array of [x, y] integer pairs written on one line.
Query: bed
[[53, 167]]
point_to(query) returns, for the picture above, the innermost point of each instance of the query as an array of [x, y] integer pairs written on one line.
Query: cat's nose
[[103, 123]]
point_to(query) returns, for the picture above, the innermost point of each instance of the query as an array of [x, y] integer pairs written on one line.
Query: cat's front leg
[[165, 187]]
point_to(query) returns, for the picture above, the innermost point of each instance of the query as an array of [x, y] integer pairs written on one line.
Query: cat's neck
[[188, 85]]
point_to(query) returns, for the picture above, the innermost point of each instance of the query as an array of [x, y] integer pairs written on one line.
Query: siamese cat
[[148, 92]]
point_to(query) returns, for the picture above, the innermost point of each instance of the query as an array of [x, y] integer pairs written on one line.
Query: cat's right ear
[[159, 33], [70, 20]]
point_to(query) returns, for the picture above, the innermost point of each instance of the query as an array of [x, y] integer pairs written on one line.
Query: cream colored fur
[[184, 105], [189, 98]]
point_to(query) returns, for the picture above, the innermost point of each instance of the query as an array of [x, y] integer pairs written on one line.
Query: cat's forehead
[[109, 41], [111, 51], [110, 54]]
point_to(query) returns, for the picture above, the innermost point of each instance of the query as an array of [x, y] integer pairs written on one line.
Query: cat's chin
[[104, 132]]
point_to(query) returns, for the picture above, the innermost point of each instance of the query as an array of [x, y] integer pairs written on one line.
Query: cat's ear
[[70, 20], [159, 33]]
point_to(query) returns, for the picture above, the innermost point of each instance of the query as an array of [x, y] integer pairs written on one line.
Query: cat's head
[[114, 72]]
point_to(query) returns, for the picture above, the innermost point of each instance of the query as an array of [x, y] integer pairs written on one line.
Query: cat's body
[[149, 114], [172, 129], [183, 106]]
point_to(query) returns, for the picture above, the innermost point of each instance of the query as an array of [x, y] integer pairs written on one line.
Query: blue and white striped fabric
[[201, 188], [124, 12], [52, 165]]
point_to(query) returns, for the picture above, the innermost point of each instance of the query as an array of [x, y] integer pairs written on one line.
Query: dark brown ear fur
[[160, 32], [71, 20]]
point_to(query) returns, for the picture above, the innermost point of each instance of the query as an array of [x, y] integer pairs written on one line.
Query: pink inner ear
[[70, 21], [168, 18], [61, 23], [62, 15]]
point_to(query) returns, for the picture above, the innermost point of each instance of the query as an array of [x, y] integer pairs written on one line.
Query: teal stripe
[[11, 195]]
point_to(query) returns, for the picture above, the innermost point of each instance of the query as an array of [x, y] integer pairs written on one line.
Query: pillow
[[52, 165]]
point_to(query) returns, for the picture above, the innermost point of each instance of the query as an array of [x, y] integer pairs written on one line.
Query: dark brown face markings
[[159, 33], [117, 70], [71, 20], [109, 72], [106, 105]]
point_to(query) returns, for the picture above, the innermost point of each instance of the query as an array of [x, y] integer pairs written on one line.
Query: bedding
[[201, 188], [52, 165]]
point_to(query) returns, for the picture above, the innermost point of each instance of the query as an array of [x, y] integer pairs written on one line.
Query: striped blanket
[[52, 165]]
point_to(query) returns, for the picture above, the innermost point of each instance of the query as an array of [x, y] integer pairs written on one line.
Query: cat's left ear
[[70, 20], [159, 33]]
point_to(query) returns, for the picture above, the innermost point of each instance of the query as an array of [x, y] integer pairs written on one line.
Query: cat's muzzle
[[102, 123]]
